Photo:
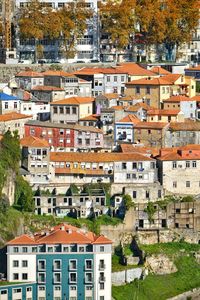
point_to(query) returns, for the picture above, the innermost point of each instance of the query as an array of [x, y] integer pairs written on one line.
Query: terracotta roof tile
[[111, 96], [93, 157], [151, 125], [135, 69], [130, 148], [117, 107], [89, 118], [146, 81], [172, 77], [13, 116], [97, 70], [74, 100], [163, 112], [57, 73], [61, 234], [46, 88], [160, 71], [32, 141], [185, 126], [179, 98], [29, 73], [129, 119]]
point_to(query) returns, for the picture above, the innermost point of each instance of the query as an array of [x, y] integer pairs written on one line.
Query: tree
[[4, 204], [150, 210], [118, 21], [67, 24], [171, 22], [128, 202], [23, 195]]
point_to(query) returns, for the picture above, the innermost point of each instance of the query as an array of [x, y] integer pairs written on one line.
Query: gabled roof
[[163, 112], [32, 141], [129, 119], [74, 100], [151, 125], [93, 157], [159, 70], [7, 97], [89, 118], [97, 70], [61, 234], [13, 116], [179, 98], [137, 106], [134, 69], [46, 88], [185, 126], [29, 73], [146, 81], [189, 152], [57, 73], [172, 77], [111, 96]]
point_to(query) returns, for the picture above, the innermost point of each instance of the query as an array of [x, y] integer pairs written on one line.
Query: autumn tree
[[118, 21], [66, 24], [169, 22]]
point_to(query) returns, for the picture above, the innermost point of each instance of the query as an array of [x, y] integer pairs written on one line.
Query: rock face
[[160, 264]]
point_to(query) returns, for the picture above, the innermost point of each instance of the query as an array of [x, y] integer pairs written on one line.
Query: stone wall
[[166, 236], [193, 295], [9, 187], [126, 276]]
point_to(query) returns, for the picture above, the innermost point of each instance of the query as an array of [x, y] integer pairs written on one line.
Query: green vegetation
[[150, 210], [128, 202], [23, 195], [161, 287]]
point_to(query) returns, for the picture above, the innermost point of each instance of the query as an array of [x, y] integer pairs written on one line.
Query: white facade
[[34, 109]]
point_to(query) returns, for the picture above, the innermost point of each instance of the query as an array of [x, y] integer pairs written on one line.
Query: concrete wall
[[126, 276]]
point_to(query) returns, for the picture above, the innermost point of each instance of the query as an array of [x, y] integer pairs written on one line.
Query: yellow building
[[165, 115]]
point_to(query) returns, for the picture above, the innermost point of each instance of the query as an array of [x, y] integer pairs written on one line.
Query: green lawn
[[161, 287]]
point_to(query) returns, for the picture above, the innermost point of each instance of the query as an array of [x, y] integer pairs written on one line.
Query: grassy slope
[[161, 287]]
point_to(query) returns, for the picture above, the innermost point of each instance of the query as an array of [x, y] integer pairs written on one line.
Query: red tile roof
[[130, 148], [185, 126], [29, 73], [46, 88], [13, 116], [57, 73], [96, 70], [172, 78], [147, 81], [134, 69], [129, 119], [74, 100], [163, 112], [32, 141], [89, 118], [61, 234], [182, 153], [151, 125], [179, 98], [93, 157], [160, 71]]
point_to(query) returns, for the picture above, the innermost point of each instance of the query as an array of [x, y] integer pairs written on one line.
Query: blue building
[[64, 263]]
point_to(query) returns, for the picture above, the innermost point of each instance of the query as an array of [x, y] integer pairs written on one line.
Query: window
[[88, 277], [15, 104], [128, 176], [149, 131], [137, 90], [102, 298], [24, 276], [115, 78], [134, 194], [81, 249], [57, 277], [73, 288], [101, 264], [4, 292], [15, 263], [41, 264], [57, 288], [74, 110], [187, 183], [108, 78], [55, 110], [194, 164], [24, 263], [6, 105], [16, 291], [88, 264], [41, 277], [101, 248], [174, 165], [147, 194], [174, 184], [101, 285], [24, 249], [72, 277], [15, 276], [15, 249], [67, 110], [72, 264], [134, 165], [148, 90], [123, 166], [57, 264], [187, 164]]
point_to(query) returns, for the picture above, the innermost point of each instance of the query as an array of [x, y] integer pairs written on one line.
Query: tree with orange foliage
[[118, 21], [168, 22]]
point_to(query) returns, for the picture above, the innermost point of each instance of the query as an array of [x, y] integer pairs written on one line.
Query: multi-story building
[[38, 109], [71, 110], [106, 101], [179, 170], [8, 104], [124, 129], [86, 46], [13, 122], [165, 115], [62, 263], [27, 80], [152, 91], [72, 85], [185, 104], [65, 137], [46, 93]]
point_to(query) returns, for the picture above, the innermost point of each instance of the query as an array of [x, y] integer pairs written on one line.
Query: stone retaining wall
[[126, 276]]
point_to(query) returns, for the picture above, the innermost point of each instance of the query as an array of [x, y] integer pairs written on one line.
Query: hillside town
[[100, 150]]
